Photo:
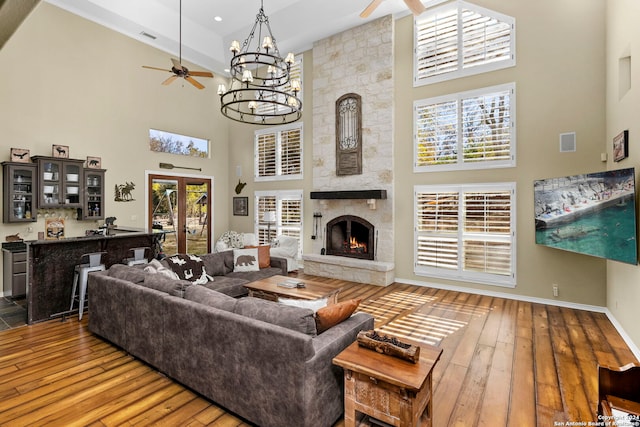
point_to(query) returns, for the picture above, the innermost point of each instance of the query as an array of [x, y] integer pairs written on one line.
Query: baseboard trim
[[598, 309], [634, 348]]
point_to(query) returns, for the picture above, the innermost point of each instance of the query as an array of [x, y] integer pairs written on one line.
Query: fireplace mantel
[[350, 194]]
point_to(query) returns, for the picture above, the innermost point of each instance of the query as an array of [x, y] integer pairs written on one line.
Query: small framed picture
[[21, 155], [241, 206], [621, 146], [60, 151], [94, 162]]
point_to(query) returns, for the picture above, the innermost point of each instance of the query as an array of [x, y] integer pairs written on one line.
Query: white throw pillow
[[245, 260], [313, 304]]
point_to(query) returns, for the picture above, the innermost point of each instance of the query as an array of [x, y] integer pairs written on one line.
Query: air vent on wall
[[567, 142]]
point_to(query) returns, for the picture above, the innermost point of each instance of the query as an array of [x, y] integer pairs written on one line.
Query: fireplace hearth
[[350, 236]]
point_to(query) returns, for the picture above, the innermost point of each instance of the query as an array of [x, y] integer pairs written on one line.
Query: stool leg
[[73, 291], [83, 291]]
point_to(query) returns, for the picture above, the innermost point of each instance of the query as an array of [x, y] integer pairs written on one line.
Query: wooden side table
[[387, 388]]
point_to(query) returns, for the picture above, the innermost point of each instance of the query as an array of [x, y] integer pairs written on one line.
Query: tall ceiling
[[295, 24]]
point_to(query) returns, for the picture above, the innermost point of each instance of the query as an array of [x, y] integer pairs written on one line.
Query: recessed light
[[217, 18]]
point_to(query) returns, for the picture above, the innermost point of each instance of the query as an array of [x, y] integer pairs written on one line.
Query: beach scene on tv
[[592, 214]]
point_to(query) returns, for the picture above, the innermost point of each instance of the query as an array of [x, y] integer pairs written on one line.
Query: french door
[[181, 206]]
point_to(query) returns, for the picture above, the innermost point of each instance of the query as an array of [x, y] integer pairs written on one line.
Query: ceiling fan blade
[[415, 6], [169, 80], [200, 73], [194, 82], [369, 9], [177, 64], [155, 68]]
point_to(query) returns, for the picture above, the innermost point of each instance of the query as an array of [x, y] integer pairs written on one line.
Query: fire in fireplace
[[350, 236]]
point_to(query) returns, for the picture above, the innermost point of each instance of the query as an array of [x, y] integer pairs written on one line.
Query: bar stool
[[88, 263], [139, 256]]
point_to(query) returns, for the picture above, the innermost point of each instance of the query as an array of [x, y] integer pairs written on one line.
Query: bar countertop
[[51, 264]]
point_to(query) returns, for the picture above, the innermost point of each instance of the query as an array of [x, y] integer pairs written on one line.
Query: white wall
[[69, 81]]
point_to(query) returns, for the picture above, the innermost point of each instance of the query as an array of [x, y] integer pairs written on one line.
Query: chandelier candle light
[[261, 90]]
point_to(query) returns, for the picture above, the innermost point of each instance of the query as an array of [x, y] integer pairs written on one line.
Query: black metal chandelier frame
[[261, 90]]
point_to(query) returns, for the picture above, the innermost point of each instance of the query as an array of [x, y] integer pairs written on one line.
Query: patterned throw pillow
[[245, 260], [264, 255], [189, 267]]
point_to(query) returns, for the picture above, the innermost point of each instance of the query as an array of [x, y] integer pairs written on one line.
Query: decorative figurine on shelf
[[123, 192]]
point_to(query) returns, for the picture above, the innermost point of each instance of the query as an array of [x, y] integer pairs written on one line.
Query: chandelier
[[261, 90]]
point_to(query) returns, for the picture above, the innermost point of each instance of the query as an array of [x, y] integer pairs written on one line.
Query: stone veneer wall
[[359, 60]]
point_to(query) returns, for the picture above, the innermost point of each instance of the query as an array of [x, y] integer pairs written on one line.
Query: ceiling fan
[[415, 6], [180, 70]]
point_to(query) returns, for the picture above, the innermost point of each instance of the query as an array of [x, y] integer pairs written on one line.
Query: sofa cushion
[[228, 261], [210, 298], [232, 286], [125, 272], [331, 315], [252, 276], [245, 260], [165, 284], [294, 318], [189, 267], [214, 264]]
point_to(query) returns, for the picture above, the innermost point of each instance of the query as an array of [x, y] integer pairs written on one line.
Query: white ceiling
[[295, 24]]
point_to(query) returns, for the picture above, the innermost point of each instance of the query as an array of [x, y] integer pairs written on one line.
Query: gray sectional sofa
[[261, 360]]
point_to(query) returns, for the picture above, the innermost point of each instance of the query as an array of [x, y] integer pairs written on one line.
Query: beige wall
[[68, 81], [241, 153], [559, 80], [623, 106]]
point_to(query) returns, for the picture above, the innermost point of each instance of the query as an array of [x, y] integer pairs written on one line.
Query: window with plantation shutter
[[278, 153], [288, 208], [461, 39], [467, 130], [466, 232], [295, 73]]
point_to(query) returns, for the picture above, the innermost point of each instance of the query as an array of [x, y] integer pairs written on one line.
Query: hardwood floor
[[504, 362]]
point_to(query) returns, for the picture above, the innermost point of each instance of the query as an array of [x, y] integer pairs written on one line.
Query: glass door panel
[[197, 233], [180, 206], [164, 196]]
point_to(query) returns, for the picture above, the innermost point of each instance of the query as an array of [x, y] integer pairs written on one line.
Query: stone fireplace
[[342, 64], [350, 236]]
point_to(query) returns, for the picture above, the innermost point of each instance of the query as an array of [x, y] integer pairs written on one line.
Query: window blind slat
[[457, 38], [465, 232], [468, 129]]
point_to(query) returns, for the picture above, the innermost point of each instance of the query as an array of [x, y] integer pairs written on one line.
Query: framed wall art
[[21, 155], [241, 206], [621, 146], [94, 162], [60, 151]]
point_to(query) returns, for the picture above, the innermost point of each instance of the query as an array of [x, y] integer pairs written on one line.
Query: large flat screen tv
[[593, 214]]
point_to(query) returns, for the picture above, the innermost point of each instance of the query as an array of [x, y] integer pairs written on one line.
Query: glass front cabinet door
[[93, 205], [20, 199], [60, 182]]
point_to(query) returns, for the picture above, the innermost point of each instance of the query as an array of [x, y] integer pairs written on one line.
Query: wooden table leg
[[349, 396]]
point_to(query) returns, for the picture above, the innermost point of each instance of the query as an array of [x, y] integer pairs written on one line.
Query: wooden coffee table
[[268, 289], [387, 388]]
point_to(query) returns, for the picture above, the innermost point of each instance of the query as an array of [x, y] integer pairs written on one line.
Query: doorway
[[181, 206]]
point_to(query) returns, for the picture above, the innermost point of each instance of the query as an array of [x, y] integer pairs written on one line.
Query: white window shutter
[[461, 39]]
